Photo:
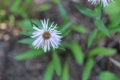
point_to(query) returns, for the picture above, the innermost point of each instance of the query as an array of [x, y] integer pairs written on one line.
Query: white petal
[[35, 28], [35, 34], [37, 41]]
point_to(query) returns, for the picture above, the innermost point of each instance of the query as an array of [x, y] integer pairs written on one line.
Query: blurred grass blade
[[26, 24], [77, 52], [7, 2], [57, 64], [56, 1], [113, 10], [102, 51], [26, 41], [29, 54], [63, 12], [65, 73], [100, 25], [108, 76], [43, 7], [80, 29], [65, 27], [26, 33], [36, 22], [114, 30], [15, 5], [86, 11], [28, 1], [91, 37], [115, 62], [49, 71], [88, 68]]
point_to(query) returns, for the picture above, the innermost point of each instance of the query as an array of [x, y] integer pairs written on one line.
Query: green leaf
[[86, 11], [88, 68], [108, 76], [26, 41], [56, 1], [113, 10], [114, 23], [43, 7], [26, 24], [97, 11], [100, 25], [102, 51], [36, 23], [7, 2], [15, 4], [49, 71], [77, 52], [115, 30], [91, 37], [57, 64], [65, 27], [63, 12], [80, 29], [65, 73], [28, 1], [29, 54], [26, 33]]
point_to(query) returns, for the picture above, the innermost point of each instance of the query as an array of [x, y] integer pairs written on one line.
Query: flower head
[[47, 36], [103, 2]]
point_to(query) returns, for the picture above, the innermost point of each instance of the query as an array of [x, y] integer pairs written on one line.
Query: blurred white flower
[[47, 36], [103, 2]]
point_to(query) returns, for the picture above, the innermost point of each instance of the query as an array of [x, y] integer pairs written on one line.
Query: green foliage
[[113, 12], [86, 11], [100, 25], [96, 15], [88, 69], [26, 41], [7, 2], [102, 51], [91, 37], [22, 9], [15, 5], [65, 72], [28, 24], [56, 1], [57, 63], [43, 7], [77, 52], [65, 28], [63, 12], [49, 71], [80, 29], [26, 33], [29, 54], [28, 1], [108, 76]]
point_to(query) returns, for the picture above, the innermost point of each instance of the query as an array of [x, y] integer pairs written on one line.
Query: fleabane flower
[[47, 36], [103, 2]]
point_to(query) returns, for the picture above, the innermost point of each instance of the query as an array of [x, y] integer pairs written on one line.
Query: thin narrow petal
[[103, 2]]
